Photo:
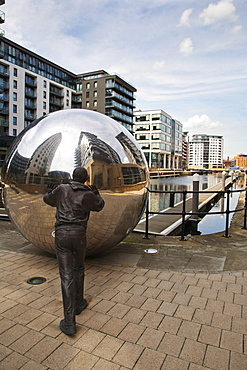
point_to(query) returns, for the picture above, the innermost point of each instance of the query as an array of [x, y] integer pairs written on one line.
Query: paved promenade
[[183, 308]]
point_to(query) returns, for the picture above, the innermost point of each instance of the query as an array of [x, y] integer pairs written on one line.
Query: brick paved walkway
[[137, 318]]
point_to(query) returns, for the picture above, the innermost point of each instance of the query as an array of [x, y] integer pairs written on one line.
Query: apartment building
[[160, 137], [32, 86], [240, 160], [206, 151]]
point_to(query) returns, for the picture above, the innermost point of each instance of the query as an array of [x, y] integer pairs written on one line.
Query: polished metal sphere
[[49, 149]]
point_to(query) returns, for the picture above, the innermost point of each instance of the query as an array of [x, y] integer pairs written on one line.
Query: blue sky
[[186, 57]]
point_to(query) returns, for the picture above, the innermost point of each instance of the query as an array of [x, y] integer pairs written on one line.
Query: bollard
[[223, 189], [195, 199]]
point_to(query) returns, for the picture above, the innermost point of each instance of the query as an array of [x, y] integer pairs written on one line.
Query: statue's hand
[[51, 186], [93, 189]]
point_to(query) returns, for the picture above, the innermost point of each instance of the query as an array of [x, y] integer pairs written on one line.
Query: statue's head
[[80, 174]]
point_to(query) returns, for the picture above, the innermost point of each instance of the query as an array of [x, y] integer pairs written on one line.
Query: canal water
[[210, 223]]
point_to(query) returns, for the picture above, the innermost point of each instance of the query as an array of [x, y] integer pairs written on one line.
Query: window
[[15, 84], [95, 94], [87, 94], [87, 104], [44, 105], [14, 132], [67, 92], [14, 96], [88, 85], [45, 84], [67, 102], [95, 84], [15, 72], [14, 108], [44, 94], [95, 103], [15, 121]]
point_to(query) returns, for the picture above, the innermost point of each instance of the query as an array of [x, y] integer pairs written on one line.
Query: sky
[[186, 57]]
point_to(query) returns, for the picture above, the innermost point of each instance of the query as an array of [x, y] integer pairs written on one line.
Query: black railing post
[[147, 213], [245, 210], [183, 216], [227, 212]]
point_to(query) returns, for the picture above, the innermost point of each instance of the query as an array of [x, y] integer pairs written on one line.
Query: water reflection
[[160, 201]]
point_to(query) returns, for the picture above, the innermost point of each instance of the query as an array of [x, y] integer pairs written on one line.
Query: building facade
[[206, 151], [240, 160], [32, 86], [160, 137]]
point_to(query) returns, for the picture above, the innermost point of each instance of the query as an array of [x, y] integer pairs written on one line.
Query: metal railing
[[224, 194]]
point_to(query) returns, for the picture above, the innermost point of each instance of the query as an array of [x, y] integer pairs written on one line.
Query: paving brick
[[217, 358], [89, 340], [193, 351], [139, 279], [234, 288], [152, 320], [173, 363], [108, 347], [6, 305], [233, 309], [119, 310], [41, 321], [219, 285], [149, 359], [128, 355], [4, 352], [214, 305], [43, 349], [108, 293], [204, 283], [240, 299], [31, 365], [5, 324], [171, 344], [61, 356], [26, 341], [239, 325], [185, 312], [181, 298], [170, 324], [203, 316], [12, 334], [209, 293], [238, 361], [105, 365], [198, 302], [131, 332], [194, 290], [151, 292], [136, 301], [103, 306], [121, 297], [125, 286], [168, 308], [151, 304], [82, 361], [14, 361], [137, 289], [166, 296], [209, 335], [97, 321], [189, 329], [135, 315], [232, 341], [222, 321], [151, 338], [165, 285], [225, 296], [114, 326]]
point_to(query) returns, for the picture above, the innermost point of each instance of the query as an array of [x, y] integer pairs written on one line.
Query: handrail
[[184, 193]]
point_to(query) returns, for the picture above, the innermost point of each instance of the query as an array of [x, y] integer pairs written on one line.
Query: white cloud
[[214, 13], [186, 46], [159, 65], [200, 123], [236, 29], [185, 17]]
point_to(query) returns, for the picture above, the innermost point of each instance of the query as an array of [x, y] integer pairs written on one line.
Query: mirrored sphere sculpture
[[49, 149]]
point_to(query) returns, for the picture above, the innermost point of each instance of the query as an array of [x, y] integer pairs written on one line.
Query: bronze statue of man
[[73, 203]]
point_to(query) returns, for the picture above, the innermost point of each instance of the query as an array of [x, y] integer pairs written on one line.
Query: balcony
[[30, 105], [30, 116], [30, 93], [56, 91], [4, 97], [3, 71], [4, 122], [30, 81], [2, 17]]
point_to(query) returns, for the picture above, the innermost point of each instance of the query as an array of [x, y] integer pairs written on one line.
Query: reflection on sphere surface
[[49, 149]]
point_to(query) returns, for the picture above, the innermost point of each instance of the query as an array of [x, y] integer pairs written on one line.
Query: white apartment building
[[160, 137], [206, 151]]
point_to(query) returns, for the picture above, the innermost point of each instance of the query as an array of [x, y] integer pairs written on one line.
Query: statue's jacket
[[73, 202]]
